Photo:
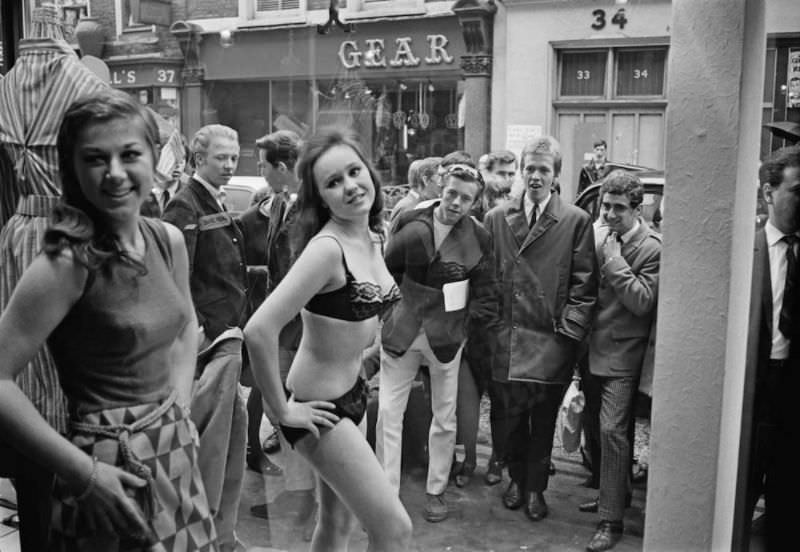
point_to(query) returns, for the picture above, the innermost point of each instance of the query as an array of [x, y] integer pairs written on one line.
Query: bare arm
[[310, 274], [45, 294], [185, 348]]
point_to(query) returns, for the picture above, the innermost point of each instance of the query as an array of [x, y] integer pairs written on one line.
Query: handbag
[[570, 416]]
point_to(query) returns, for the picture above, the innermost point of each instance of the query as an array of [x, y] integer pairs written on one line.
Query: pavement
[[478, 521]]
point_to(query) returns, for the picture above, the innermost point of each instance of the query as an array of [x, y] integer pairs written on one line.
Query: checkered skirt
[[168, 447]]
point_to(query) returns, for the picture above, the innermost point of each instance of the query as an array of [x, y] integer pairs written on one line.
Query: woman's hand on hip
[[309, 415], [110, 507]]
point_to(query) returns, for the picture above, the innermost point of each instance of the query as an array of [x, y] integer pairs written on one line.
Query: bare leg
[[353, 484]]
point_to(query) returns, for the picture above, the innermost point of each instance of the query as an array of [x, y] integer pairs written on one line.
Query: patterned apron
[[158, 443]]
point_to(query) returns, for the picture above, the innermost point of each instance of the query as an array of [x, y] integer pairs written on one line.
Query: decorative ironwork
[[477, 65]]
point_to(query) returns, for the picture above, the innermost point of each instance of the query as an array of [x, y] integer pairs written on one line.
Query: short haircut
[[414, 178], [501, 156], [459, 157], [281, 146], [546, 145], [466, 173], [621, 182], [597, 143], [202, 138], [428, 167], [771, 170]]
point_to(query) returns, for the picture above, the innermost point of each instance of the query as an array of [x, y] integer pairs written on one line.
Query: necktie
[[164, 199], [789, 288], [533, 216]]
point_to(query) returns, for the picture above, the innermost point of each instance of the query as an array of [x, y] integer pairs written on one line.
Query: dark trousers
[[531, 419], [773, 470], [34, 486]]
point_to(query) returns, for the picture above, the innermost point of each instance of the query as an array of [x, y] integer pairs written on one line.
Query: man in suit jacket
[[442, 261], [596, 169], [218, 281], [164, 191], [629, 256], [774, 349], [544, 250]]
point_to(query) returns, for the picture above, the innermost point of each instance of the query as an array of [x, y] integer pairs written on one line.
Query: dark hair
[[465, 173], [620, 182], [459, 157], [312, 213], [597, 143], [76, 223], [546, 145], [771, 170], [501, 156], [281, 146]]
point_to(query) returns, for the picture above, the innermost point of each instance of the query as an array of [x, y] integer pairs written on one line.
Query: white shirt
[[216, 193], [440, 231], [777, 275], [530, 206], [159, 193]]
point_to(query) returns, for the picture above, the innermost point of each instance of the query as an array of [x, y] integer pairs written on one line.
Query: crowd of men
[[502, 293]]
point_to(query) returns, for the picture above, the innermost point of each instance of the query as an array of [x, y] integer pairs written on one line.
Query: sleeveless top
[[113, 347], [354, 301]]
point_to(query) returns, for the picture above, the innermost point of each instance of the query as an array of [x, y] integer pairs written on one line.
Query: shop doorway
[[634, 136]]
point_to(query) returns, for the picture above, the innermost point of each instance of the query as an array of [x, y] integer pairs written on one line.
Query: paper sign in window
[[455, 295]]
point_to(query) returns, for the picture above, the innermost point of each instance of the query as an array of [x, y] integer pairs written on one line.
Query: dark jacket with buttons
[[217, 270], [548, 283], [421, 271]]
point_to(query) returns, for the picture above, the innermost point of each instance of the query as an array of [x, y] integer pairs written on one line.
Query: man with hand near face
[[629, 257], [544, 251], [218, 281], [442, 261]]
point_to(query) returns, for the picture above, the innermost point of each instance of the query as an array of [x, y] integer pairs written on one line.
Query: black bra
[[354, 301]]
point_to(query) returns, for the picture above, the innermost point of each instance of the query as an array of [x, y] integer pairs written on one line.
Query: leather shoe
[[536, 507], [512, 498], [607, 535], [594, 504], [494, 472]]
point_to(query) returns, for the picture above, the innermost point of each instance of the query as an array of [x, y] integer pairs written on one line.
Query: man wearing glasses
[[442, 261], [546, 267]]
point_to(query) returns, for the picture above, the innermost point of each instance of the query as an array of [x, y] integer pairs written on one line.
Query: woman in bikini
[[340, 286], [110, 294]]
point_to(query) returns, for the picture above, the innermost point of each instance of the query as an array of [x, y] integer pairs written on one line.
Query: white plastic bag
[[570, 416]]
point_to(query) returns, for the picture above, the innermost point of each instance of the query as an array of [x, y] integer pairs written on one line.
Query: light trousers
[[220, 414], [397, 375]]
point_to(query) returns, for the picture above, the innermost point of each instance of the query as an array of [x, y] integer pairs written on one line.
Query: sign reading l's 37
[[374, 53]]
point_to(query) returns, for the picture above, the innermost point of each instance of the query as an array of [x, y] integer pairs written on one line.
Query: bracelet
[[92, 480]]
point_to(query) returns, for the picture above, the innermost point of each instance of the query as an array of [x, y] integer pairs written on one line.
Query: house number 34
[[618, 19]]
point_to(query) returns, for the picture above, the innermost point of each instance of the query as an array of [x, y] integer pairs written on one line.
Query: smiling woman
[[110, 295]]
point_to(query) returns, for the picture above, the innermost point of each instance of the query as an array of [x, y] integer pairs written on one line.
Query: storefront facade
[[590, 70], [397, 83]]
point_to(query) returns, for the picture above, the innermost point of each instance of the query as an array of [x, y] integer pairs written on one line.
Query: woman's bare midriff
[[328, 360]]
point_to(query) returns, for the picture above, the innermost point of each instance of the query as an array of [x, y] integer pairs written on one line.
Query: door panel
[[651, 140]]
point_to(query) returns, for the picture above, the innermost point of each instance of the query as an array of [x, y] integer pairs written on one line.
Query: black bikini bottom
[[353, 405]]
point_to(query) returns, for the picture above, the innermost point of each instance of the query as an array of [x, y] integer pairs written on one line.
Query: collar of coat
[[515, 217]]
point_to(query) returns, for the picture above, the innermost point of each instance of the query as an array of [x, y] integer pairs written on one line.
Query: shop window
[[583, 73], [641, 72]]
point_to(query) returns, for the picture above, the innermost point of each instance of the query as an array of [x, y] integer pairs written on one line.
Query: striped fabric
[[34, 95], [20, 242]]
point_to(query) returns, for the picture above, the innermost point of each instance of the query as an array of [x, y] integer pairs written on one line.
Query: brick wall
[[207, 9]]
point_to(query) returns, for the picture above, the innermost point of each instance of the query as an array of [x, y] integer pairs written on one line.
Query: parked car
[[653, 202], [239, 192]]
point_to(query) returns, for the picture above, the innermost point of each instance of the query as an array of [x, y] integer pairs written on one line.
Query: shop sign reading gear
[[374, 53]]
